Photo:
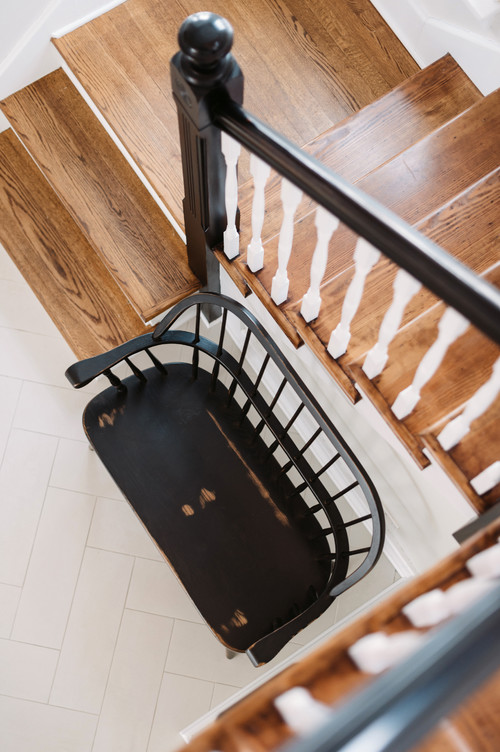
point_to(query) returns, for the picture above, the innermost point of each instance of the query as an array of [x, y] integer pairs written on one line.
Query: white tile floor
[[100, 648]]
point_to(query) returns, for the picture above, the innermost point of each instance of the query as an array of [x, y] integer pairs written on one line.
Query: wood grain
[[315, 64], [103, 194], [377, 133], [467, 227], [58, 263], [474, 453], [329, 674], [459, 376]]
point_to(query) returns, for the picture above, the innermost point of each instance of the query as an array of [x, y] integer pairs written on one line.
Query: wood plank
[[414, 184], [467, 227], [329, 674], [58, 263], [474, 453], [461, 373], [459, 376], [100, 190], [377, 133], [316, 63]]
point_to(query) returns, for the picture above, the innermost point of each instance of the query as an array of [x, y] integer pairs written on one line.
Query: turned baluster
[[488, 479], [365, 258], [456, 429], [290, 197], [231, 150], [255, 252], [451, 326], [326, 224], [405, 287]]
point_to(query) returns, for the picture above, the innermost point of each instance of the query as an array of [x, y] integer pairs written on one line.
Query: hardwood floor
[[307, 66], [105, 197], [57, 261]]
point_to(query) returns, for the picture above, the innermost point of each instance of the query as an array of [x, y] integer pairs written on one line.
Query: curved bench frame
[[339, 554]]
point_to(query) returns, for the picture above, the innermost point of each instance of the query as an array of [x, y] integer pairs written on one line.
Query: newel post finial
[[204, 73], [205, 40]]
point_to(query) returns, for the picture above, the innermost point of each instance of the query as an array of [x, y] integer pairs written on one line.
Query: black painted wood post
[[202, 72]]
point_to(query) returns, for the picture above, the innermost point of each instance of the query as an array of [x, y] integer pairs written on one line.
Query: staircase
[[88, 226], [88, 213]]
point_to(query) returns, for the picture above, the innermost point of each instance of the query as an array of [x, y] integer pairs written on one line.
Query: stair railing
[[208, 88]]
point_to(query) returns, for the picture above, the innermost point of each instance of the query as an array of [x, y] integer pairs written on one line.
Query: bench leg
[[230, 653]]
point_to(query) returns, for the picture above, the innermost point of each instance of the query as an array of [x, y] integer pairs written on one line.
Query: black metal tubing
[[449, 279], [398, 709]]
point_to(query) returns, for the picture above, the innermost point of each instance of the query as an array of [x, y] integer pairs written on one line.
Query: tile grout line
[[72, 603], [33, 543], [162, 673], [46, 704], [114, 652], [11, 424]]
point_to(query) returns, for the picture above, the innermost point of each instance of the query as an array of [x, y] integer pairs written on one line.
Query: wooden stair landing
[[317, 63], [330, 674], [56, 260], [107, 200]]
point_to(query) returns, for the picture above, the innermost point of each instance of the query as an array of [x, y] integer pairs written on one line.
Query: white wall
[[468, 29], [26, 27]]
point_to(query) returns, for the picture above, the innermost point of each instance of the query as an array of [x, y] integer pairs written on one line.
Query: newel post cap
[[205, 40]]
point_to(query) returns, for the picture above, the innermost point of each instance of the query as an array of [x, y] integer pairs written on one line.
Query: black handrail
[[449, 279], [208, 88], [396, 710]]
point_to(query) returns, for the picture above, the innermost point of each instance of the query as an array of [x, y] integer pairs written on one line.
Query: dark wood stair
[[57, 261], [428, 148], [330, 675], [100, 190], [375, 134], [447, 185], [316, 64], [421, 142], [417, 182]]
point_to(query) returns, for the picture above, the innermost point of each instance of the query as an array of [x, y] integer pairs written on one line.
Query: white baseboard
[[33, 56], [85, 19]]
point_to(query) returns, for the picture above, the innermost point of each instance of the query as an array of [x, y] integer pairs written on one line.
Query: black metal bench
[[229, 465]]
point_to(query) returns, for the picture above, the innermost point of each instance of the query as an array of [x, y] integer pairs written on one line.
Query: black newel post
[[203, 72]]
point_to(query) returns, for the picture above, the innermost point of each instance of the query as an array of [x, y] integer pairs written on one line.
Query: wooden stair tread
[[56, 260], [474, 453], [476, 209], [414, 184], [314, 73], [377, 133], [99, 188], [329, 674], [459, 376]]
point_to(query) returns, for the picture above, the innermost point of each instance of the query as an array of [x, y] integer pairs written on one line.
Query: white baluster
[[255, 252], [365, 258], [300, 711], [290, 197], [456, 429], [487, 480], [451, 326], [405, 287], [326, 224], [231, 150]]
